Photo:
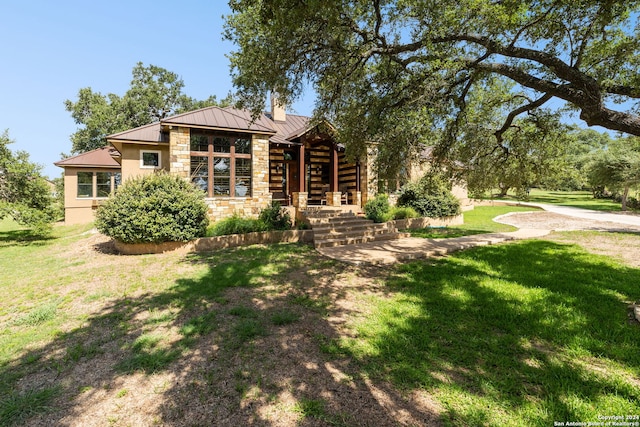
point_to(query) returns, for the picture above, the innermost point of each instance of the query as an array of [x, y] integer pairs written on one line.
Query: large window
[[221, 164], [100, 184], [85, 185]]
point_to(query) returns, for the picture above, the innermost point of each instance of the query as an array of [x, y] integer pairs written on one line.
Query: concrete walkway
[[392, 251]]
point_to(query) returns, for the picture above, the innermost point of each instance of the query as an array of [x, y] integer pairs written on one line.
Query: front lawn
[[577, 199], [528, 333], [476, 221]]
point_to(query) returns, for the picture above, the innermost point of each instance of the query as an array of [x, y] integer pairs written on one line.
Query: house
[[241, 164]]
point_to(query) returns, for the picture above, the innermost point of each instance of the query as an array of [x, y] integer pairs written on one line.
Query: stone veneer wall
[[223, 207], [179, 152]]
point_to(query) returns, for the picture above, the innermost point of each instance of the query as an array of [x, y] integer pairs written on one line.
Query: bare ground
[[284, 377]]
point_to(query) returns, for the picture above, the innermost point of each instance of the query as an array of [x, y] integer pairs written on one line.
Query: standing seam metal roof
[[227, 118]]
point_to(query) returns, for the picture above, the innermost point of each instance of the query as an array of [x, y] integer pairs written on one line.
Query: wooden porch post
[[335, 166], [302, 171]]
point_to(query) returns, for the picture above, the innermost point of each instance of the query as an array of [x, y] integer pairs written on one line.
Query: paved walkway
[[392, 251]]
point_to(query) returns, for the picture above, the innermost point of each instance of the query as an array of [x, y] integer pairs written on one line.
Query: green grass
[[578, 199], [15, 408], [520, 334], [476, 221]]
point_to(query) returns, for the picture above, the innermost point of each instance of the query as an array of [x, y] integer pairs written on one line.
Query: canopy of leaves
[[616, 167], [24, 193], [405, 72], [155, 93]]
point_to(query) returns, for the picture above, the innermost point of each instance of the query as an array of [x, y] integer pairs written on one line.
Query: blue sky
[[51, 49]]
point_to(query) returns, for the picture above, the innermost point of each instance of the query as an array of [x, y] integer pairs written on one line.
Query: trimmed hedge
[[154, 209]]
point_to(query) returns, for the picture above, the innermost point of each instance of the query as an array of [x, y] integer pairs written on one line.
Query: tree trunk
[[625, 194]]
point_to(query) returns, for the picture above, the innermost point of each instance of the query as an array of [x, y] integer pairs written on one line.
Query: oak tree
[[155, 93], [403, 72]]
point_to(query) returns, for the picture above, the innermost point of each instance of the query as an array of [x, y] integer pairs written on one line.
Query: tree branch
[[513, 114]]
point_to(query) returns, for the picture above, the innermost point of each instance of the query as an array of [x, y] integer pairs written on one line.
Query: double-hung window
[[221, 164], [97, 184]]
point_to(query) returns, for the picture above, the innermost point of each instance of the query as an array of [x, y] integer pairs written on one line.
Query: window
[[105, 184], [221, 164], [85, 185], [149, 159]]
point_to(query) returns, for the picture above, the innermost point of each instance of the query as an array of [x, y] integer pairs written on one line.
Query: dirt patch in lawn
[[619, 241], [262, 354]]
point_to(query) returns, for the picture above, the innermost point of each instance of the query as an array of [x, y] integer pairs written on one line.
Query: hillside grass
[[528, 333]]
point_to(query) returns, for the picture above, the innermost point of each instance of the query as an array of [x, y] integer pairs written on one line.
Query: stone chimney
[[278, 110]]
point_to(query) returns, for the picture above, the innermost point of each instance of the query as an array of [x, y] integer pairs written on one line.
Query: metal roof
[[228, 118], [147, 133], [98, 158], [222, 118]]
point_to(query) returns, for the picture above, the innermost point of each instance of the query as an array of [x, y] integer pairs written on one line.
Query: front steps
[[335, 227]]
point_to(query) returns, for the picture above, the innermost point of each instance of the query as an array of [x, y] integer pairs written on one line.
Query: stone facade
[[179, 152], [223, 207]]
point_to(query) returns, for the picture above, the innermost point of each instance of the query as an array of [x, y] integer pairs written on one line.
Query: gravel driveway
[[552, 221]]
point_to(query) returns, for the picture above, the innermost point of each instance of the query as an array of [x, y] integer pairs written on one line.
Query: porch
[[313, 171]]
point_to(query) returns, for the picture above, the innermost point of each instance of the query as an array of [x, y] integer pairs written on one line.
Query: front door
[[292, 184]]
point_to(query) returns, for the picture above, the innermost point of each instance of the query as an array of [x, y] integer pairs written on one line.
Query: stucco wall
[[79, 210], [131, 154]]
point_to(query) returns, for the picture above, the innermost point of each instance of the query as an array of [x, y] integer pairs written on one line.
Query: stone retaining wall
[[206, 244], [410, 223]]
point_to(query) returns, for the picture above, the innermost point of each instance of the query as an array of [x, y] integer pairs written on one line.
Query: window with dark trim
[[85, 185], [100, 184], [221, 164]]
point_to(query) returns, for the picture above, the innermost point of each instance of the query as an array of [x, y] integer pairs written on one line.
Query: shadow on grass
[[23, 238], [224, 346], [444, 233], [518, 334]]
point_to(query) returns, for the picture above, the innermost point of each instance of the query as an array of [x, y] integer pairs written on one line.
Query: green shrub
[[430, 197], [403, 212], [377, 209], [275, 218], [153, 209], [236, 225], [271, 218]]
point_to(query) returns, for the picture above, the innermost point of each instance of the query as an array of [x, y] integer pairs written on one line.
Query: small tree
[[153, 209], [24, 193], [616, 170]]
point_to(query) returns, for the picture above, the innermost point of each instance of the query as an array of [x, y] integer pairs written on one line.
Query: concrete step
[[364, 232], [342, 222], [329, 215], [354, 240]]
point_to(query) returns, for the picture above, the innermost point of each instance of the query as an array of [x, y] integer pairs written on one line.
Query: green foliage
[[155, 93], [152, 209], [235, 224], [403, 212], [271, 218], [617, 169], [430, 196], [377, 209], [275, 218], [24, 193], [465, 74]]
